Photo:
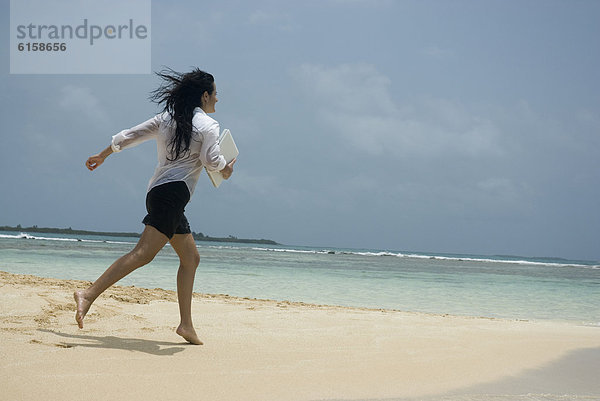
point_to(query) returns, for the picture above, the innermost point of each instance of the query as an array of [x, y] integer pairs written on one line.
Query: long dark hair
[[180, 94]]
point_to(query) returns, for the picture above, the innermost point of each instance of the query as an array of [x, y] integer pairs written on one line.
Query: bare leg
[[147, 247], [189, 258]]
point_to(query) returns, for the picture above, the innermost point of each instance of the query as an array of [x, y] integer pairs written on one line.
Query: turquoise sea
[[472, 285]]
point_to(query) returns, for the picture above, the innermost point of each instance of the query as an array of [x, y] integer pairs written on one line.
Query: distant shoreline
[[197, 236]]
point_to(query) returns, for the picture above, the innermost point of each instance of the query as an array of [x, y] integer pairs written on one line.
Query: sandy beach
[[267, 350]]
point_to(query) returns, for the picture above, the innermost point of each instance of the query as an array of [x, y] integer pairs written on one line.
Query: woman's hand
[[228, 169], [93, 162], [96, 160]]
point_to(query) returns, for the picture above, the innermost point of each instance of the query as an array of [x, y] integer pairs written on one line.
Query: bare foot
[[83, 305], [189, 334]]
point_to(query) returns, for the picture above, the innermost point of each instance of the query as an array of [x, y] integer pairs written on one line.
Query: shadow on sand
[[160, 348], [571, 377]]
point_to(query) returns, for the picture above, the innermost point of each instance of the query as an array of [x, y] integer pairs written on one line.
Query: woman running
[[186, 141]]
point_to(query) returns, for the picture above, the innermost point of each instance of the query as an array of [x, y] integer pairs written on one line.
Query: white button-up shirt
[[204, 148]]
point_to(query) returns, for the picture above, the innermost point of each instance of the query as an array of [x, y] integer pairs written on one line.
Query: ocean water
[[471, 285]]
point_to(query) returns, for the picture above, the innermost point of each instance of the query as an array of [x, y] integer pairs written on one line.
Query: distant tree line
[[197, 236]]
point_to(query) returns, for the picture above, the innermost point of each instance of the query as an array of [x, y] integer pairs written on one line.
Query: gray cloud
[[355, 101]]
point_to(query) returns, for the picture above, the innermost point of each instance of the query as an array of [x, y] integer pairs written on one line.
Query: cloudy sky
[[439, 126]]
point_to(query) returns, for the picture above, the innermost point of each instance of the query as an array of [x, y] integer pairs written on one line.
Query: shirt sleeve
[[210, 152], [136, 135]]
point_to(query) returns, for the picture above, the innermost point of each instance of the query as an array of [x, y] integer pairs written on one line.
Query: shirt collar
[[199, 110]]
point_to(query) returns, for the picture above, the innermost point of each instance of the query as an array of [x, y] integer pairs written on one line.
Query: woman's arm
[[136, 135], [126, 139], [210, 152], [97, 159]]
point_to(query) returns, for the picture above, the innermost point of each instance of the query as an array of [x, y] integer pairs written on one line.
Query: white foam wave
[[28, 236], [511, 261], [415, 256], [35, 237]]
